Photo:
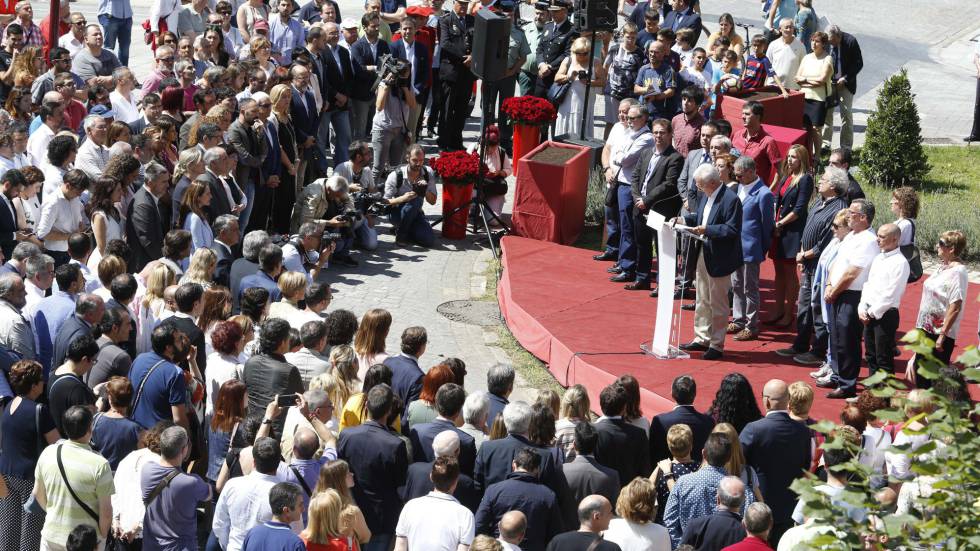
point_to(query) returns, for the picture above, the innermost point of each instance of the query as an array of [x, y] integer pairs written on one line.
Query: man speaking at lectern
[[718, 219]]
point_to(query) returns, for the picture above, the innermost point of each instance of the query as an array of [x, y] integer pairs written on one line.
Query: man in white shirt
[[785, 54], [437, 520], [308, 360], [636, 141], [74, 39], [314, 412], [244, 501], [62, 215], [93, 154], [52, 115], [617, 139], [880, 298], [848, 275]]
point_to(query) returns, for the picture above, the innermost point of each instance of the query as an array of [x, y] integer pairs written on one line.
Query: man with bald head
[[778, 448], [594, 514], [419, 482], [880, 298], [512, 527], [723, 527], [304, 469]]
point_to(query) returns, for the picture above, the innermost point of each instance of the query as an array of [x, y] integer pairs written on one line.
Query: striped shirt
[[90, 477], [817, 232]]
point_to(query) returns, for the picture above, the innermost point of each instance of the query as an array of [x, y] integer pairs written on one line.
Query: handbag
[[911, 253], [612, 196], [557, 92], [833, 100]]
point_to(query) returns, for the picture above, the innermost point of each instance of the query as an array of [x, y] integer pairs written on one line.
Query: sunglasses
[[634, 117], [835, 226], [944, 244], [80, 23]]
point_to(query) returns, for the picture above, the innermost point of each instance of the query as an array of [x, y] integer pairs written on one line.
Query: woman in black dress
[[285, 194], [792, 198]]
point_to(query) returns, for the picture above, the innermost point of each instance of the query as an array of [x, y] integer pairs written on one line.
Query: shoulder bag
[[139, 390], [302, 483], [64, 477], [911, 253], [557, 92], [158, 489]]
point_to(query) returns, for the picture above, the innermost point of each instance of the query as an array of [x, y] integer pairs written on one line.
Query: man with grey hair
[[302, 252], [500, 383], [145, 220], [312, 412], [308, 359], [786, 53], [248, 264], [324, 203], [89, 309], [880, 299], [594, 514], [15, 333], [810, 344], [475, 411], [717, 219], [38, 278], [93, 154], [720, 145], [177, 490], [758, 524], [418, 482], [226, 196], [723, 527], [17, 263], [758, 221], [226, 232], [846, 55]]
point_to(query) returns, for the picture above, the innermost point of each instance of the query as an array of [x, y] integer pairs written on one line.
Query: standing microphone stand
[[588, 88]]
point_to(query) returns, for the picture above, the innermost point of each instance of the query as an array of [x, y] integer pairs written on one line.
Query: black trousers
[[435, 109], [975, 134], [60, 257], [455, 110], [848, 329], [879, 342], [943, 354]]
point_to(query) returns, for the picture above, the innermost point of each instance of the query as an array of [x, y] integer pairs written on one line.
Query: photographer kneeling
[[405, 188], [299, 254], [364, 194], [327, 203]]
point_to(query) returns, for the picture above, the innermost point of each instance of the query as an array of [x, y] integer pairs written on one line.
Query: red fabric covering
[[549, 200], [779, 111], [785, 137], [559, 304]]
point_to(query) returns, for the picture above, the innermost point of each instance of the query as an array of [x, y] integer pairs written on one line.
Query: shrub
[[893, 154], [595, 199]]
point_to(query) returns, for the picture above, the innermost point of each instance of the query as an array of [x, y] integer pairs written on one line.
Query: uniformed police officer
[[554, 46], [455, 74], [497, 92]]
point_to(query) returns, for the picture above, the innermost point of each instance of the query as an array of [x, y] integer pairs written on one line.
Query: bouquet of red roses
[[457, 167], [529, 110]]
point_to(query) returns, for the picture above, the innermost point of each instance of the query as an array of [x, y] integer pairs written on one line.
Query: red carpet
[[559, 304]]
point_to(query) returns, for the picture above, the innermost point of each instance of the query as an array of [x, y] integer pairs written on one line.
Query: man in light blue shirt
[[116, 17], [285, 33], [50, 313]]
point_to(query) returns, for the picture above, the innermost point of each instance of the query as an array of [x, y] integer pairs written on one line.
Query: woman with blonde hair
[[30, 62], [573, 409], [216, 309], [343, 366], [292, 285], [153, 305], [337, 478], [792, 200], [369, 341], [636, 529], [323, 531], [201, 268], [261, 50], [108, 268], [736, 465], [570, 110], [248, 334], [190, 165], [290, 183], [192, 214]]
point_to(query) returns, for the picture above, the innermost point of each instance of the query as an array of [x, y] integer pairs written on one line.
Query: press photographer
[[405, 189], [299, 253], [364, 193], [327, 203], [389, 129]]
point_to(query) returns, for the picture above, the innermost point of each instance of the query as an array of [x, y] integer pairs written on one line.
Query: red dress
[[335, 544]]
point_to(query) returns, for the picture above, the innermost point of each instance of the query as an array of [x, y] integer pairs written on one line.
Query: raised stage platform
[[561, 306]]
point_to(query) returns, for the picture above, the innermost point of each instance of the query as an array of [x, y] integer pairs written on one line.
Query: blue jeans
[[121, 29], [412, 225], [366, 236], [612, 228], [379, 542], [627, 243], [247, 213], [339, 121]]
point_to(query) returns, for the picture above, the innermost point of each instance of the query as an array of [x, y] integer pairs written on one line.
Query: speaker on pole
[[491, 41], [595, 15]]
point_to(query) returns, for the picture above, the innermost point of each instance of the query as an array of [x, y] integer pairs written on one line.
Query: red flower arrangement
[[457, 167], [529, 110]]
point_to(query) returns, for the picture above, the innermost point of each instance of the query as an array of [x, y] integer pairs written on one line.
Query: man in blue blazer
[[718, 220], [339, 75], [683, 390], [493, 461], [449, 404], [366, 53], [406, 376], [303, 112], [409, 49], [379, 461], [683, 17], [778, 448], [758, 221], [88, 312]]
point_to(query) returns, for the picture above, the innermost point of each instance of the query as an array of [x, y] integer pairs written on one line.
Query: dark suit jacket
[[71, 329], [521, 492], [379, 462], [423, 435], [662, 195], [493, 461], [851, 61], [497, 405], [685, 183], [219, 199], [715, 531], [406, 381], [418, 484], [624, 448], [251, 151], [585, 477], [144, 229], [423, 63], [676, 20], [222, 271], [556, 43], [700, 424], [452, 48], [272, 165], [337, 79], [138, 126], [130, 345], [305, 119], [8, 228], [363, 58], [196, 337], [797, 199], [778, 448], [723, 248]]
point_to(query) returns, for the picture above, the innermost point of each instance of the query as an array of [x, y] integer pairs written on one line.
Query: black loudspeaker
[[491, 41], [595, 15]]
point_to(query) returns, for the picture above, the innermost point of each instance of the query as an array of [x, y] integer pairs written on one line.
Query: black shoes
[[637, 286], [712, 354], [622, 277], [694, 346], [345, 260], [614, 270], [604, 257]]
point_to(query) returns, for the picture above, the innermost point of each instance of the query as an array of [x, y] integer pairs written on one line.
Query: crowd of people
[[171, 374]]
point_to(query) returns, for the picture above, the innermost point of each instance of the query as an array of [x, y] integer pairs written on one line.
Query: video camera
[[393, 72], [370, 203], [420, 187]]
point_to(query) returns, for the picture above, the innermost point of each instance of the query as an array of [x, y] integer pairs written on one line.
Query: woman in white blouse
[[152, 307], [124, 98], [499, 168], [107, 222], [636, 529], [905, 206]]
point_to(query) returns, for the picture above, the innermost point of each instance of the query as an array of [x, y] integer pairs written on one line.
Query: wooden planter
[[549, 198]]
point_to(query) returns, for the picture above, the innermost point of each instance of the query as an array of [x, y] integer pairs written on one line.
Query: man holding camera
[[299, 254], [405, 189], [389, 128], [326, 204], [357, 172]]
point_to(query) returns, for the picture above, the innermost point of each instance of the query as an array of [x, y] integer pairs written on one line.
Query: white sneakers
[[823, 373]]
